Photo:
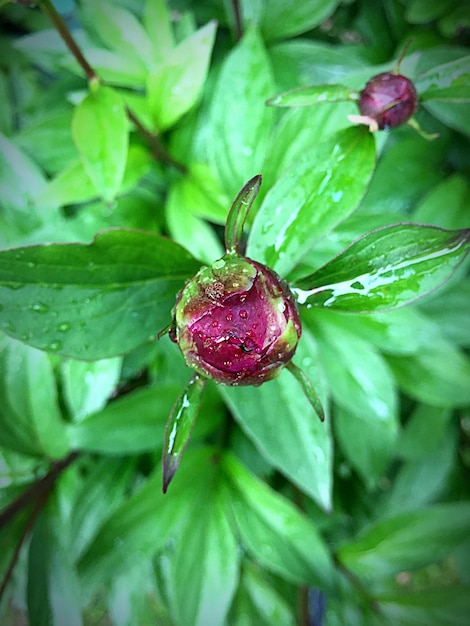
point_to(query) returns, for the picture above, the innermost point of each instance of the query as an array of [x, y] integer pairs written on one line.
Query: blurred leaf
[[274, 532], [101, 131], [362, 386], [311, 95], [446, 204], [438, 375], [424, 430], [87, 386], [156, 20], [37, 592], [175, 85], [103, 486], [445, 606], [131, 424], [385, 268], [239, 122], [119, 30], [63, 298], [30, 415], [450, 311], [423, 11], [143, 524], [282, 424], [204, 565], [407, 541], [448, 82], [311, 197], [6, 111], [280, 20], [452, 114]]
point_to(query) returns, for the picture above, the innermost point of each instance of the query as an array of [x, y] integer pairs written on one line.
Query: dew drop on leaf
[[54, 346], [39, 307], [64, 327]]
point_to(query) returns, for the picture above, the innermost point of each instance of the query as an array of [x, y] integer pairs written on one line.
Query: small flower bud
[[236, 322], [389, 99]]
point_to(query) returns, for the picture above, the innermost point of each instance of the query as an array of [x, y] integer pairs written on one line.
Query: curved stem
[[238, 213]]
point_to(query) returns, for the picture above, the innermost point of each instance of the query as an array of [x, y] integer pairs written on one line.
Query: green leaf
[[311, 197], [143, 524], [92, 301], [156, 20], [128, 425], [407, 541], [366, 422], [438, 375], [175, 85], [205, 563], [450, 311], [449, 82], [239, 123], [37, 591], [29, 413], [386, 268], [299, 445], [453, 193], [281, 20], [179, 427], [274, 532], [311, 95], [100, 130], [445, 606], [87, 386]]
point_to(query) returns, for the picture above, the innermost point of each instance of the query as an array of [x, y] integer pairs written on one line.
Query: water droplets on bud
[[243, 314], [229, 317]]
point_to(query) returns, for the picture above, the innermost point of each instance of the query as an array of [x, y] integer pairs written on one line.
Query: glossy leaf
[[29, 412], [281, 20], [311, 95], [407, 541], [100, 131], [446, 606], [274, 532], [92, 301], [386, 268], [299, 445], [311, 197], [238, 213], [366, 420], [175, 85], [239, 123], [447, 82], [179, 427], [205, 564]]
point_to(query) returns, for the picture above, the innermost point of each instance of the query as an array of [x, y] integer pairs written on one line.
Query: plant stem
[[38, 493], [50, 11], [237, 14], [357, 584], [156, 148]]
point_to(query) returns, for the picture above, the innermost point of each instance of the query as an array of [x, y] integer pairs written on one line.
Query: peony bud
[[389, 99], [236, 322]]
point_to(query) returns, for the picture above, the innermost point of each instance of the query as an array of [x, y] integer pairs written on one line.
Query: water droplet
[[242, 298], [64, 327], [254, 326], [214, 324], [243, 314], [228, 363], [217, 265], [31, 264], [229, 317], [39, 307], [54, 346]]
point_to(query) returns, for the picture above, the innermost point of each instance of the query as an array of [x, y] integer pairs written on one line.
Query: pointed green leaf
[[311, 95], [239, 123], [274, 532], [100, 130], [179, 427], [238, 213], [281, 422], [407, 541], [317, 192], [175, 85], [386, 268], [157, 22], [447, 82], [92, 301], [29, 411]]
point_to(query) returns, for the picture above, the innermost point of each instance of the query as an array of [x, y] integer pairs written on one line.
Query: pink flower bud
[[236, 322], [389, 99]]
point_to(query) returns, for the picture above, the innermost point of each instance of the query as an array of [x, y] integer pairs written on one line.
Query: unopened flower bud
[[389, 99], [236, 322]]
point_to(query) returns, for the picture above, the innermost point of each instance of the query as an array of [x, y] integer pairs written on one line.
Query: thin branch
[[38, 493]]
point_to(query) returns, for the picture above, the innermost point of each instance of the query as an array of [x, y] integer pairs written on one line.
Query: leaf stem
[[237, 14], [155, 146], [38, 493]]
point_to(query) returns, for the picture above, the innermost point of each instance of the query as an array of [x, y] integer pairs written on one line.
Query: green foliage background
[[273, 517]]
